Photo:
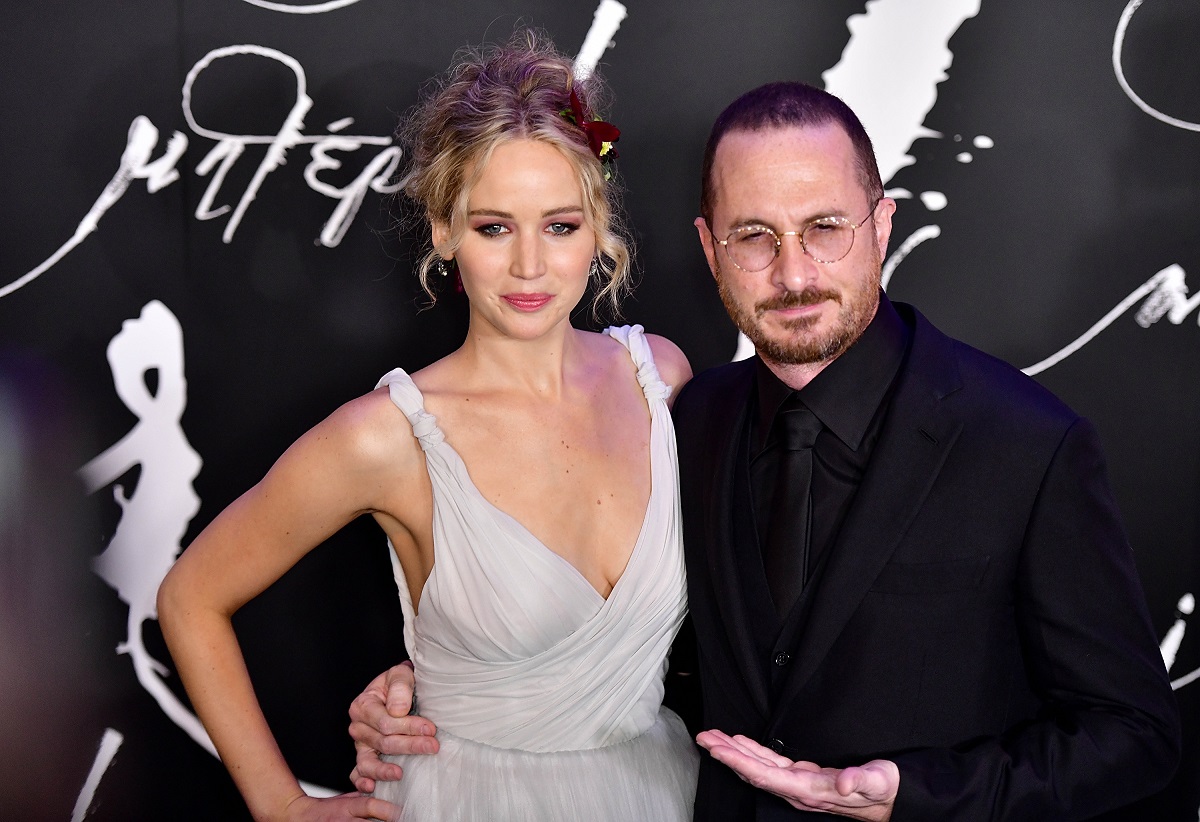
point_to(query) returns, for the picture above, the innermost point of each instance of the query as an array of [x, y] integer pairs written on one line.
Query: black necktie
[[785, 553]]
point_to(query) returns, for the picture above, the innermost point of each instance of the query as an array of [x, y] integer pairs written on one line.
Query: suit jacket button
[[776, 745], [782, 658]]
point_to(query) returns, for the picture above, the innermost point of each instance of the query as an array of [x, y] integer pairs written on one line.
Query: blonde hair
[[516, 91]]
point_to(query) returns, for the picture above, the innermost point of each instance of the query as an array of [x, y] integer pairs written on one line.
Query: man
[[911, 591]]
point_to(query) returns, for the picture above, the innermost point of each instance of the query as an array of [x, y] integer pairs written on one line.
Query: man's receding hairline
[[862, 172], [760, 128], [768, 126]]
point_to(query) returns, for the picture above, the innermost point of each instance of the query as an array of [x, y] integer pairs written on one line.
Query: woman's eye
[[563, 229], [491, 230]]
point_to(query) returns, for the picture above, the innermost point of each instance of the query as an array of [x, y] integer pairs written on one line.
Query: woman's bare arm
[[348, 465], [672, 364]]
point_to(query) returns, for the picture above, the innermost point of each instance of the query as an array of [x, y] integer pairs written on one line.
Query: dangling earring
[[443, 267], [594, 270]]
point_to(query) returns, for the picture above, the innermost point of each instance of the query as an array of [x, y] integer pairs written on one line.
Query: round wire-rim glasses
[[825, 239]]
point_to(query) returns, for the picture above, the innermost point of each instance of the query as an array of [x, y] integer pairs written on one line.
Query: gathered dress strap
[[407, 397], [633, 337]]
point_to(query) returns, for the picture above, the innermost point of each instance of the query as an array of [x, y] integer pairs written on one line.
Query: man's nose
[[794, 270]]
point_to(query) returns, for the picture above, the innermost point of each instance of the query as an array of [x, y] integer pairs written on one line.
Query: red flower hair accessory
[[600, 134]]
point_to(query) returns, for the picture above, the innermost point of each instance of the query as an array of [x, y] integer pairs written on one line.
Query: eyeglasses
[[825, 239]]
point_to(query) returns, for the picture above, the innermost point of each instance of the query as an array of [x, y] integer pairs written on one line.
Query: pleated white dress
[[547, 696]]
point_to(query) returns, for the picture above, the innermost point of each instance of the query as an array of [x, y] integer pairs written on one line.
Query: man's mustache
[[798, 299]]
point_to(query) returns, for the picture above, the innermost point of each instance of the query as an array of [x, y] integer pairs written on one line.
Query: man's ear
[[883, 224], [706, 240]]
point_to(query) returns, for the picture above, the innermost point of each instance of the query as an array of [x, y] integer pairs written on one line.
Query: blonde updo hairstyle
[[489, 96]]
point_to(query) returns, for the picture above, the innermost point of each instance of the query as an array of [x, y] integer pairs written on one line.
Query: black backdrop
[[1047, 215]]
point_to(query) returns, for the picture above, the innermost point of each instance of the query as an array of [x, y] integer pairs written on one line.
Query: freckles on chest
[[590, 462], [553, 468]]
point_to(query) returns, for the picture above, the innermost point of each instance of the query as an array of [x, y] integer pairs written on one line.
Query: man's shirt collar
[[846, 394]]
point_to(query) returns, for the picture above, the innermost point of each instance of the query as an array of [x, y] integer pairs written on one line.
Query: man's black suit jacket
[[979, 620]]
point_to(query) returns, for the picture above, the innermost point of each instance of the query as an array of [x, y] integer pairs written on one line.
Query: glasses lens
[[752, 248], [828, 240]]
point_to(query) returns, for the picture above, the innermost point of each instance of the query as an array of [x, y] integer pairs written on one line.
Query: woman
[[526, 482]]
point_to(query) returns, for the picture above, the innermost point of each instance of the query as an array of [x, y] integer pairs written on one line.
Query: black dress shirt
[[850, 398]]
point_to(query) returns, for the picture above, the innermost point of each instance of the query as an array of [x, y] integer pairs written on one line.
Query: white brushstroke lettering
[[1118, 50], [143, 137], [288, 8], [350, 197], [135, 165], [1165, 294], [230, 147]]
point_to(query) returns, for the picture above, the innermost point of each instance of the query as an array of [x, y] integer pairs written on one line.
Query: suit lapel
[[918, 434], [727, 418]]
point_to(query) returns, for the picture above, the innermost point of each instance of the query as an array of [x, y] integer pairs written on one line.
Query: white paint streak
[[109, 745], [934, 200], [745, 348], [599, 38], [135, 165], [890, 69], [1118, 69], [1188, 679], [1169, 647], [1173, 639], [288, 8], [1166, 295], [156, 515], [913, 240], [889, 73]]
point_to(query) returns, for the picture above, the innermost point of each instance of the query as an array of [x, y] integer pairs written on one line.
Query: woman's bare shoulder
[[370, 432], [672, 363]]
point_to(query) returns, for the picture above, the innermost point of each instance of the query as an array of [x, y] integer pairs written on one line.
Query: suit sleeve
[[1108, 730]]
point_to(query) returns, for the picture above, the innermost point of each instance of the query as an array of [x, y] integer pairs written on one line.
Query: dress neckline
[[534, 539], [433, 439]]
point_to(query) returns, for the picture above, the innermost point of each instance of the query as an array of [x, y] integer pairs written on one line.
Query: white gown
[[547, 696]]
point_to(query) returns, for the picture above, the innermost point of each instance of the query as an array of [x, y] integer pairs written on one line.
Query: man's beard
[[856, 309]]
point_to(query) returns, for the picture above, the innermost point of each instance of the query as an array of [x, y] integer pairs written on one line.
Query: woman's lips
[[527, 302]]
